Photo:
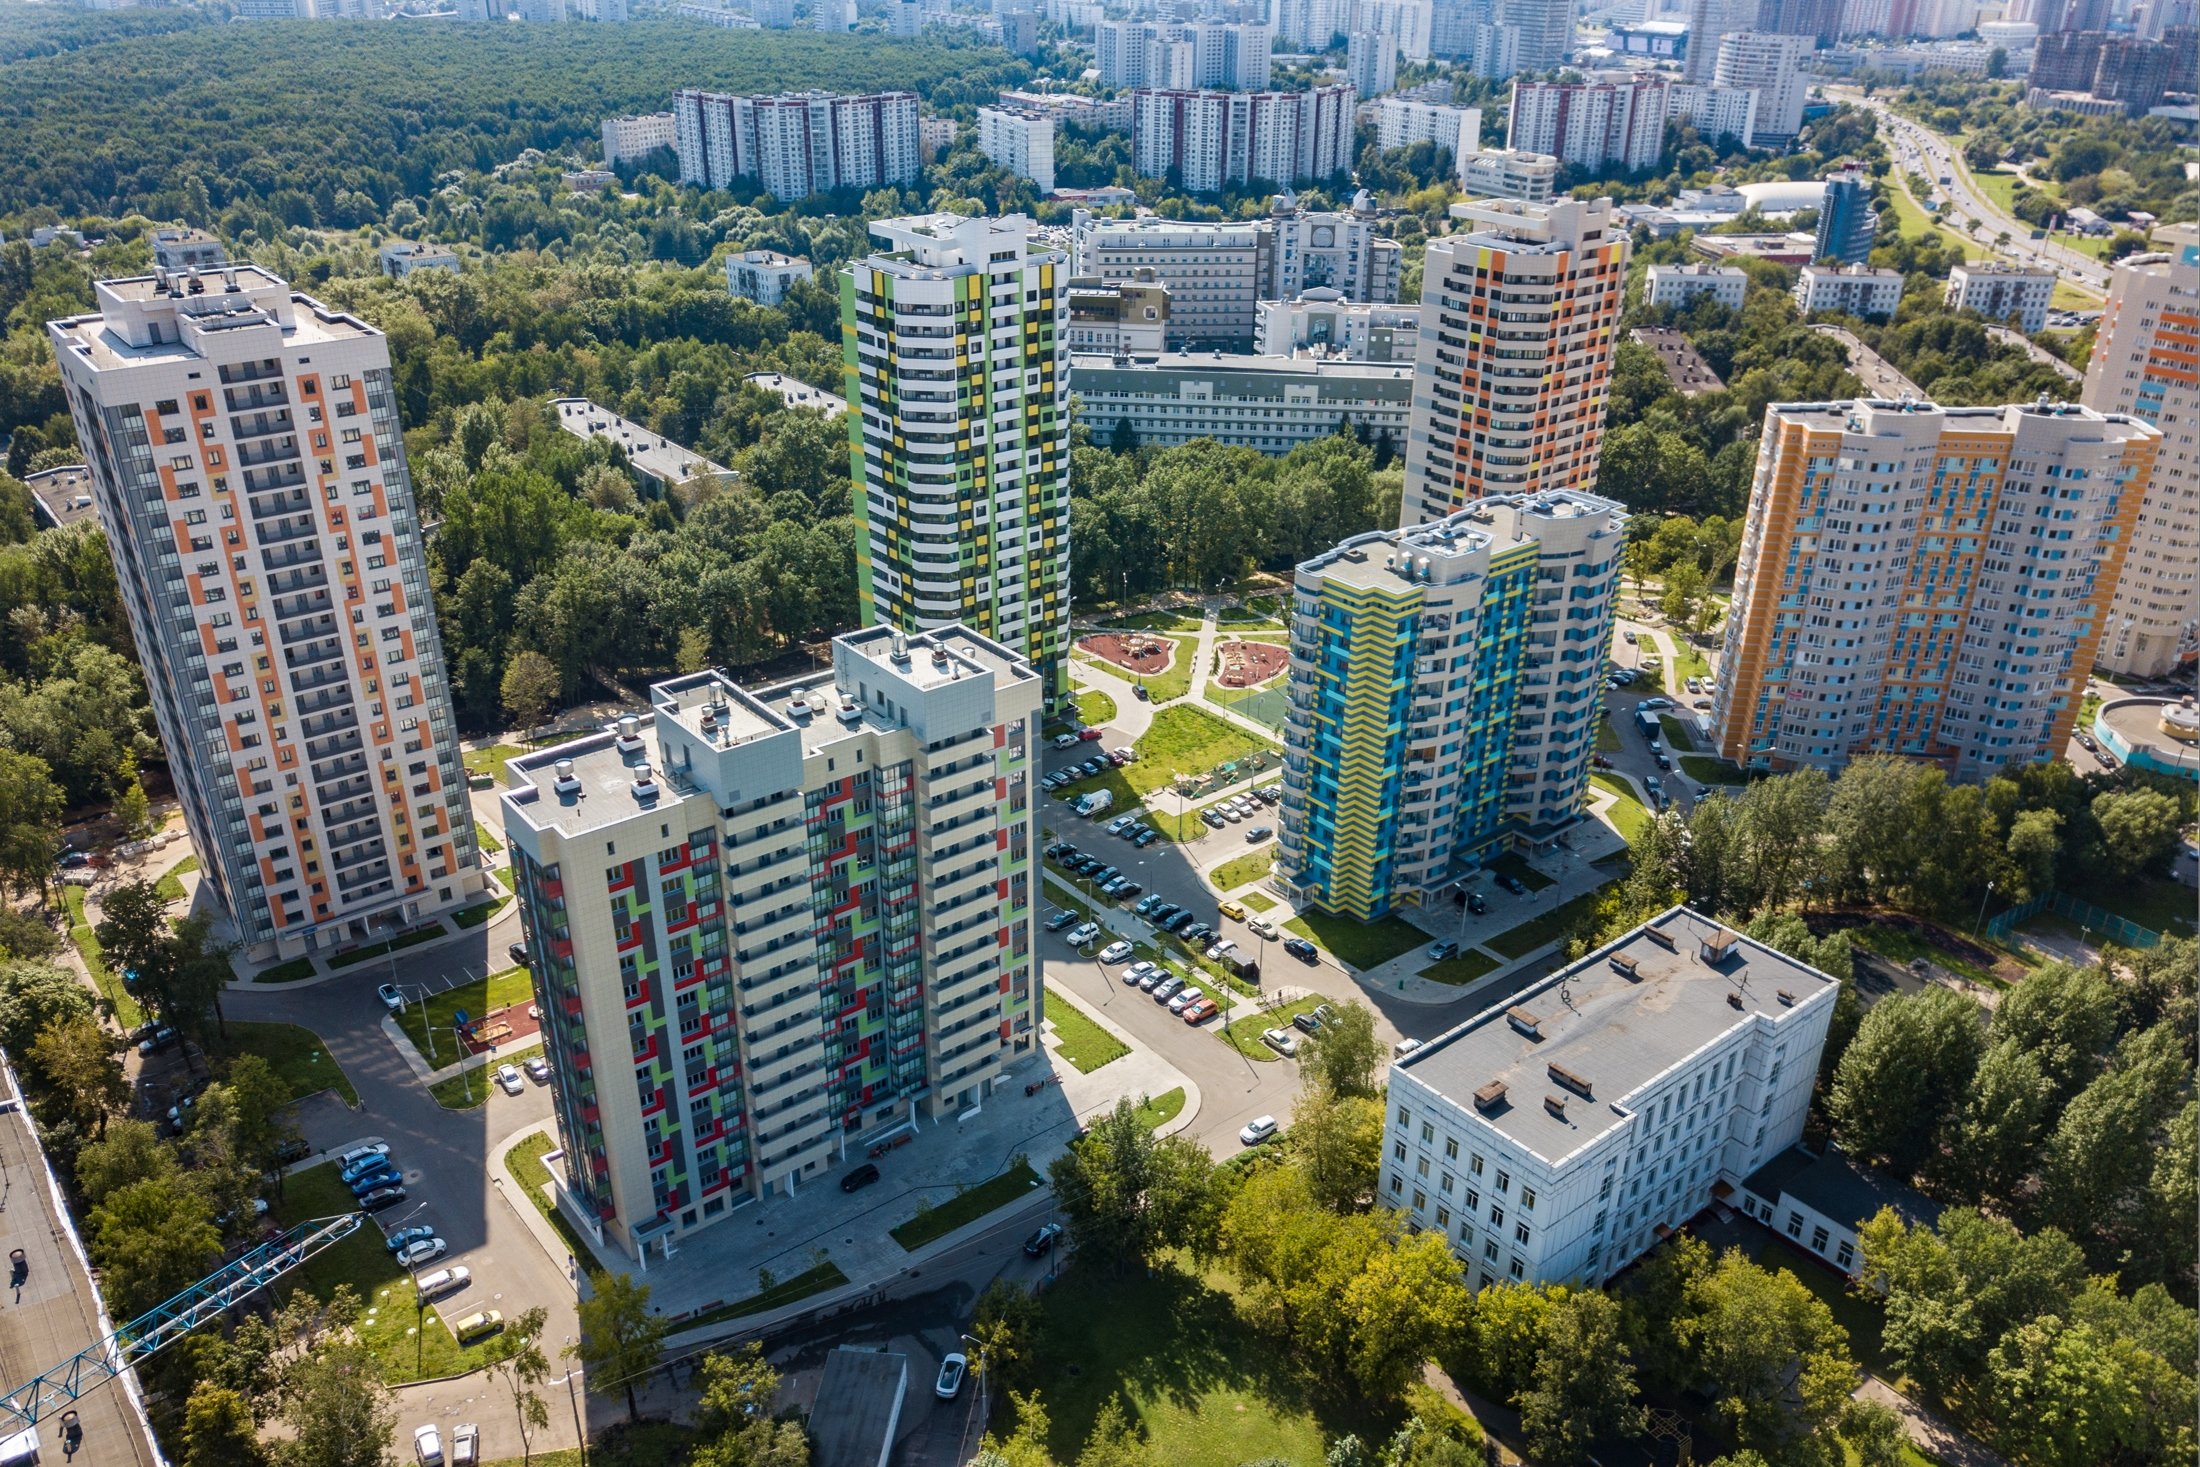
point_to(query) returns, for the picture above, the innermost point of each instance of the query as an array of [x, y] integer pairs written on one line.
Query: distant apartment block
[[1174, 55], [1771, 65], [1561, 1136], [1208, 140], [1854, 290], [628, 138], [1508, 173], [1999, 292], [1269, 403], [1847, 223], [2146, 362], [1925, 581], [771, 924], [1677, 285], [403, 257], [958, 372], [1371, 62], [1444, 690], [797, 144], [1400, 122], [764, 276], [663, 465], [249, 468], [1594, 125], [1324, 322], [1094, 114], [1123, 318], [1520, 311], [1020, 142], [1715, 112]]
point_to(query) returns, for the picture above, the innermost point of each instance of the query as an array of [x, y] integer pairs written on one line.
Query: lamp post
[[572, 1394], [1982, 901]]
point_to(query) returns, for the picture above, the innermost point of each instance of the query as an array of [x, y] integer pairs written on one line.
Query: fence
[[2094, 920]]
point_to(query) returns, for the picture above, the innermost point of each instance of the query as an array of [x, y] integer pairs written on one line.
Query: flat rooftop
[[64, 494], [1836, 1186], [796, 393], [308, 322], [1614, 1032], [1242, 365], [1684, 366], [858, 1405], [2153, 724], [651, 452]]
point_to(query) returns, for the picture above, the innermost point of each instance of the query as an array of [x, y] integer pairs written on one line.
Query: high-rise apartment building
[[2146, 362], [1998, 291], [1772, 66], [1208, 140], [798, 144], [1309, 25], [1847, 223], [1443, 696], [1371, 62], [250, 472], [1519, 319], [1408, 21], [1618, 124], [1925, 581], [1506, 173], [1019, 141], [1468, 31], [1715, 112], [1708, 20], [1400, 122], [955, 338], [1168, 55], [768, 925], [1560, 1136]]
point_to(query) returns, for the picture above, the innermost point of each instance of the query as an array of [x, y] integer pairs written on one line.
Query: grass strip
[[469, 1089], [1705, 769], [1354, 943], [1677, 736], [1250, 867], [170, 886], [418, 935], [965, 1206], [477, 997], [1465, 966], [129, 1013], [479, 912], [1257, 901], [1244, 1035], [1628, 816], [290, 972], [1159, 1110], [1082, 1042], [813, 1280], [1094, 707], [294, 1053], [1544, 927], [531, 1174], [1508, 863], [492, 759]]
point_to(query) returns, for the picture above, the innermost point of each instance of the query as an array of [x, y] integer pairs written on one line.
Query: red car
[[1089, 735], [1198, 1011]]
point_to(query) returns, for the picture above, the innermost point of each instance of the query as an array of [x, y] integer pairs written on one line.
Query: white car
[[465, 1445], [1065, 741], [1083, 933], [1216, 953], [393, 997], [1115, 952], [511, 1079], [445, 1281], [1282, 1041], [1257, 1130], [427, 1250], [428, 1445], [1185, 1000], [1136, 971], [358, 1154], [1261, 927], [950, 1383]]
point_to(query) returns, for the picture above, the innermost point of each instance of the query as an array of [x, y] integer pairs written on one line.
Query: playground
[[1248, 664], [1135, 652]]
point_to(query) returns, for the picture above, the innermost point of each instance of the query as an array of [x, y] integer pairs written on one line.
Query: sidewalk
[[1148, 1073]]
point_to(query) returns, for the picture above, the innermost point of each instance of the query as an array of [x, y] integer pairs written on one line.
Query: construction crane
[[164, 1324]]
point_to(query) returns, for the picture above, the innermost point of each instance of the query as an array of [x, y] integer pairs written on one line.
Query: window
[[1443, 1218], [1489, 1250], [1451, 1148], [1420, 1201], [1474, 1163], [1527, 1199], [1474, 1198], [1818, 1240], [1504, 1181], [1397, 1185], [1405, 1117], [1398, 1150], [1497, 1215], [1520, 1233], [1428, 1134], [1845, 1256], [1420, 1166], [1795, 1225]]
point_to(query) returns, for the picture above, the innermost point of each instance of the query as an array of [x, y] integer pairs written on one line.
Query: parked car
[[1083, 933], [1060, 920], [1654, 705], [1120, 824], [1443, 950], [1139, 692], [1511, 883], [1257, 1130], [509, 1077], [376, 1180], [1146, 838], [1476, 902], [1307, 1023], [1210, 818], [950, 1383], [1261, 927], [863, 1176], [1065, 740], [478, 1326], [393, 997], [428, 1446], [297, 1148], [427, 1250], [1147, 905], [1185, 1000], [371, 1162], [1197, 933], [1217, 951], [1300, 948], [404, 1238], [381, 1197], [1199, 1010], [1115, 952], [1089, 735], [517, 952], [1259, 833], [1039, 1244], [157, 1041], [444, 1281], [1282, 1041], [358, 1154], [1694, 684], [465, 1445], [1120, 757], [1136, 973], [1181, 923]]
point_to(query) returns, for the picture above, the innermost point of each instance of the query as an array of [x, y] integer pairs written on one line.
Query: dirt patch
[[1135, 651], [501, 1029], [1247, 664]]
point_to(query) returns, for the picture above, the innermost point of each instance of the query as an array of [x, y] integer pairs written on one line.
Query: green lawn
[[495, 991], [966, 1206], [644, 1444], [1173, 681], [412, 1344], [170, 886], [1251, 866], [1607, 736], [128, 1012], [506, 875], [487, 840], [290, 972], [1707, 769], [1094, 707], [1257, 901], [531, 1174], [1186, 740], [1509, 863], [1677, 736], [1159, 1110], [1630, 815], [813, 1280], [418, 935], [1358, 944], [1083, 1043], [479, 912], [2150, 901], [1159, 621], [1468, 965], [1207, 1389], [470, 1089], [1904, 946], [1544, 927], [1244, 1035], [491, 760], [294, 1053], [1687, 661]]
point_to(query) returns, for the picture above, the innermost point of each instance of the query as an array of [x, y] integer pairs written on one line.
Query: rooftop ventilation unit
[[1525, 1021], [1556, 1105], [566, 781], [1733, 999], [630, 736], [1787, 999], [1579, 1084], [646, 788], [798, 709], [850, 713], [1490, 1097], [1662, 938], [1626, 967]]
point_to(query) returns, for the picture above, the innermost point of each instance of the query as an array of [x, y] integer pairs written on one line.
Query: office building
[[1519, 318], [1560, 1137], [1209, 140], [1847, 223], [958, 368], [1853, 290], [1021, 142], [1167, 55], [628, 138], [184, 248], [1124, 318], [2146, 362], [797, 144], [1218, 273], [1715, 112], [1323, 322], [403, 257], [1268, 403], [1772, 66], [1998, 292], [764, 276], [1599, 125], [1401, 122], [1444, 689], [1925, 581], [1506, 173], [768, 925], [1677, 285], [1371, 62], [250, 473]]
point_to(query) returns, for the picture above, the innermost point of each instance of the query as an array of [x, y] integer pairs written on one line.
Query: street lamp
[[1982, 901], [572, 1394]]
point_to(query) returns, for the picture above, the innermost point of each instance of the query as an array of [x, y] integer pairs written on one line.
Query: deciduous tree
[[1583, 1387], [622, 1338], [1910, 1063]]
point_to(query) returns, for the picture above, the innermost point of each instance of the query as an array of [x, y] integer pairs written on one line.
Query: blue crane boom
[[165, 1323]]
